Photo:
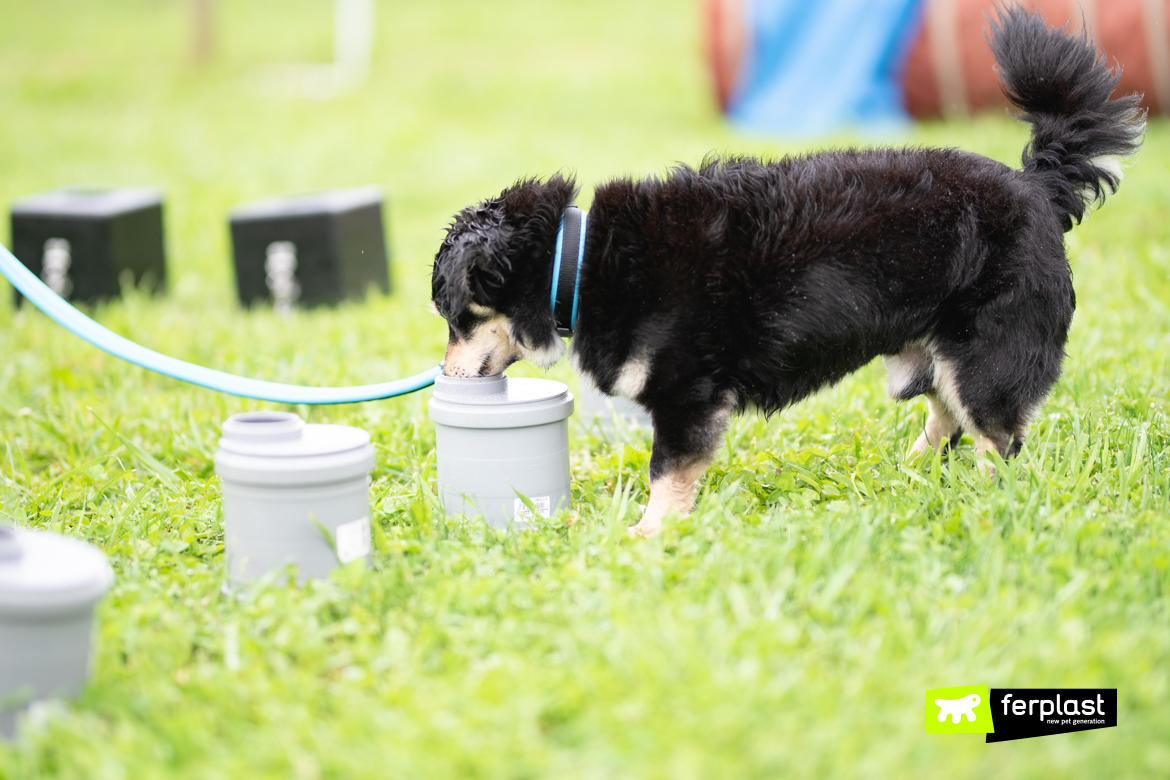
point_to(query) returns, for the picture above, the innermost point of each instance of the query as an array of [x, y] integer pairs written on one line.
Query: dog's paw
[[920, 447], [644, 530], [984, 466]]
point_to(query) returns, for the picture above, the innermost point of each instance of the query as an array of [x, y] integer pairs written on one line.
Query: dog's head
[[492, 278]]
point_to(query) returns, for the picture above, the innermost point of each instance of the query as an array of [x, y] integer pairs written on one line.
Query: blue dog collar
[[566, 275]]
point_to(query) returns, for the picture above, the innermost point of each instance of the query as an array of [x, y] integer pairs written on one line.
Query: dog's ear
[[511, 235], [472, 261]]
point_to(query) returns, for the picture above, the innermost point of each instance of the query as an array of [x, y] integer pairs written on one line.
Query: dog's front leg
[[685, 441]]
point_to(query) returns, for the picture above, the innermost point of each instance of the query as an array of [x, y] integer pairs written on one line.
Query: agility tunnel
[[792, 67]]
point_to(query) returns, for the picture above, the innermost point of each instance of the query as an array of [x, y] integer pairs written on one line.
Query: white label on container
[[353, 540], [543, 505]]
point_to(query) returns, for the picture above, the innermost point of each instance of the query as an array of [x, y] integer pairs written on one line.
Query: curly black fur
[[1062, 84], [498, 253], [744, 282]]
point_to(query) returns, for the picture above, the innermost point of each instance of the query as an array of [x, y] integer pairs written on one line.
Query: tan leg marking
[[946, 389], [982, 445], [941, 425], [673, 492], [948, 415]]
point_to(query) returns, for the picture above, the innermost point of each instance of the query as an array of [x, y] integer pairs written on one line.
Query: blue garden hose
[[78, 324]]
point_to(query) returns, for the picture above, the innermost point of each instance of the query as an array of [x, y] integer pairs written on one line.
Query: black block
[[81, 242], [309, 250]]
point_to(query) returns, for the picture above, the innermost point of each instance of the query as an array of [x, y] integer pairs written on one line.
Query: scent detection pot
[[497, 439], [293, 493], [49, 586]]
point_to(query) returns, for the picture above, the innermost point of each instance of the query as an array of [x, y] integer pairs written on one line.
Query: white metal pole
[[353, 38]]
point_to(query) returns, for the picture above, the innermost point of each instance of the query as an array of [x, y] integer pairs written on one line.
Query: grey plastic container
[[497, 438], [49, 586], [286, 485]]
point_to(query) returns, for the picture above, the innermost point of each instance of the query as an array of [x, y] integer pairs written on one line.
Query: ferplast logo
[[1005, 714], [1022, 713], [965, 709]]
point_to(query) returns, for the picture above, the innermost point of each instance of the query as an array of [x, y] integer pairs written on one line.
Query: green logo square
[[962, 710]]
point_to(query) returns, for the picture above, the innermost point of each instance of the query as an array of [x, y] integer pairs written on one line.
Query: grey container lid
[[88, 201], [278, 448], [42, 572], [498, 402], [328, 202]]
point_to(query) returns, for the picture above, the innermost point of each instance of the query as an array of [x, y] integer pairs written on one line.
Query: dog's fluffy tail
[[1062, 85]]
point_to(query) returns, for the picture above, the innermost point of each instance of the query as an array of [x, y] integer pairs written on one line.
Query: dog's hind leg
[[942, 428], [685, 441], [673, 490], [912, 372], [984, 394]]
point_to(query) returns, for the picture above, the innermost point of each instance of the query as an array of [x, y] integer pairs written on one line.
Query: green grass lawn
[[787, 628]]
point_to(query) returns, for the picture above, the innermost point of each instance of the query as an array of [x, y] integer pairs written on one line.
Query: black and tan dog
[[751, 283]]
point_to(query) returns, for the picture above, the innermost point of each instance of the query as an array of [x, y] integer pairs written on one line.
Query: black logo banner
[[1020, 713]]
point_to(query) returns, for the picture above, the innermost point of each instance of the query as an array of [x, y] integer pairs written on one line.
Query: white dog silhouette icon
[[957, 708]]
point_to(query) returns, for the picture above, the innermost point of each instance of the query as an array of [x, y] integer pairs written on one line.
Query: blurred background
[[444, 102], [804, 68]]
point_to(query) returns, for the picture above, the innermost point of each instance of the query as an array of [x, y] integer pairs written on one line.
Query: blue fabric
[[818, 66]]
